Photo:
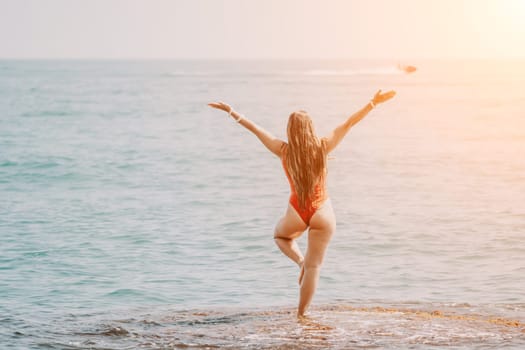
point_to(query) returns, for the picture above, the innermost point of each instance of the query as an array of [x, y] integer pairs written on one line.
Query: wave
[[383, 325]]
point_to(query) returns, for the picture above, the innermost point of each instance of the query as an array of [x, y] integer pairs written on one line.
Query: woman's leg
[[290, 227], [322, 226]]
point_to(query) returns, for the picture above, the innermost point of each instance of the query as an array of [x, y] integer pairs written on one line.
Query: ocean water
[[134, 216]]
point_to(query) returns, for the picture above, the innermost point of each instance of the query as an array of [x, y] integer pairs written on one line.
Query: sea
[[134, 216]]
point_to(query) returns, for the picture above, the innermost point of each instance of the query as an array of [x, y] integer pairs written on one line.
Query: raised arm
[[273, 144], [336, 136]]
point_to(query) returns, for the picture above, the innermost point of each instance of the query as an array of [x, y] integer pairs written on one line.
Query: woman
[[304, 162]]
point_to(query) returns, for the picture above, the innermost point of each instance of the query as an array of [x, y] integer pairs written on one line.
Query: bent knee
[[278, 235], [287, 235]]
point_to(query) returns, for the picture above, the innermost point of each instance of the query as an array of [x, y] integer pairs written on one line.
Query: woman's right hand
[[221, 105], [383, 97]]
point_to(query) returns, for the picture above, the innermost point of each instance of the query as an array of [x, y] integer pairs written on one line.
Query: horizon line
[[398, 59]]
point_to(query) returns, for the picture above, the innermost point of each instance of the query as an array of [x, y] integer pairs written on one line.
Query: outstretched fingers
[[383, 97], [220, 105]]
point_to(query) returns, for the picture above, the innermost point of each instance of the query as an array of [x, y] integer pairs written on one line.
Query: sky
[[264, 29]]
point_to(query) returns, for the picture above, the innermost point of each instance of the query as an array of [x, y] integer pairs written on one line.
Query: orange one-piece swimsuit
[[312, 204]]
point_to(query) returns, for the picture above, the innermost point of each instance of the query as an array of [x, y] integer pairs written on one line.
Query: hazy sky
[[394, 29]]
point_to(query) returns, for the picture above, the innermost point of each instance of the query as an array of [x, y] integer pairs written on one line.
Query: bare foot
[[303, 319], [301, 274], [310, 324]]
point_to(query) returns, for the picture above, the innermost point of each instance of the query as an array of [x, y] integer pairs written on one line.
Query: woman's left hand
[[221, 105]]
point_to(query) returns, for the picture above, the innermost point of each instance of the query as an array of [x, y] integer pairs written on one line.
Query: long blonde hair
[[305, 156]]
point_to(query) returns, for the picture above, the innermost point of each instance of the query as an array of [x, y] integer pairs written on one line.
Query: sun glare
[[515, 10]]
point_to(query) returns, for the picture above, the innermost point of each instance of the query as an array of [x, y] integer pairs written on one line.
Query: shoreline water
[[339, 325]]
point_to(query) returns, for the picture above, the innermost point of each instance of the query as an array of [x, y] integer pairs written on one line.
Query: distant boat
[[407, 69]]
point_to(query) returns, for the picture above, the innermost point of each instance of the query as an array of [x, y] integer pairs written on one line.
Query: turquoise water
[[133, 215]]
